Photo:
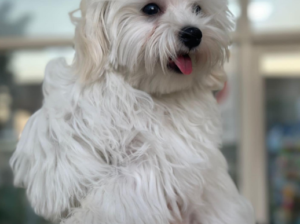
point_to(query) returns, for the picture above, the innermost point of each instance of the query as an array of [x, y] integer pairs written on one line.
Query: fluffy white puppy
[[129, 134]]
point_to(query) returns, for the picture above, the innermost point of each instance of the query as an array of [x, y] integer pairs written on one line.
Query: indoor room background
[[260, 104]]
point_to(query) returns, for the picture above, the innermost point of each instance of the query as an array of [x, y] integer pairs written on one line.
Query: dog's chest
[[184, 143], [193, 118], [183, 131]]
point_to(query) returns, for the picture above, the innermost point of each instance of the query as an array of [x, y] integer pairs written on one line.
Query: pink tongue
[[184, 63]]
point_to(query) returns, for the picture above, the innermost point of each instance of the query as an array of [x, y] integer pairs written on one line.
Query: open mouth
[[181, 65]]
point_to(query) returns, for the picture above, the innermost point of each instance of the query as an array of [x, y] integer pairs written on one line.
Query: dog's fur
[[120, 138]]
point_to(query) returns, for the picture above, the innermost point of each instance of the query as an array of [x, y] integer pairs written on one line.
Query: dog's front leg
[[54, 167], [221, 203]]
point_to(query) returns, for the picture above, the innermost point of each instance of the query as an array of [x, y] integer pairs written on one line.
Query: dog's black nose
[[191, 37]]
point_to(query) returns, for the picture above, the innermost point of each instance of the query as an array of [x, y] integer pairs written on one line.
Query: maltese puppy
[[130, 132]]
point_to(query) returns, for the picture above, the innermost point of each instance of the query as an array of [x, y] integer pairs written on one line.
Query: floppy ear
[[216, 79], [91, 42]]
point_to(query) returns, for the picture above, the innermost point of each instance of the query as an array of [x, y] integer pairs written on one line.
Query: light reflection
[[260, 10]]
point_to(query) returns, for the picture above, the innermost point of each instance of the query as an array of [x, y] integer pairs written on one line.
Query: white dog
[[129, 134]]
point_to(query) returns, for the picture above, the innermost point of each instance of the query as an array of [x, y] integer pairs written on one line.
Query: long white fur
[[122, 140]]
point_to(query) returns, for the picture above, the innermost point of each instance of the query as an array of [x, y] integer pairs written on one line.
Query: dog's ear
[[216, 80], [91, 42]]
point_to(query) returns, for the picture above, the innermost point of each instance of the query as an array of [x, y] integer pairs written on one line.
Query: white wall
[[275, 15]]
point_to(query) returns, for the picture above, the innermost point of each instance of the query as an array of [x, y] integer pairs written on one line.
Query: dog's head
[[160, 46]]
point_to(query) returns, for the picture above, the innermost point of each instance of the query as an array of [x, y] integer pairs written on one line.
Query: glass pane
[[21, 74], [234, 7], [28, 66], [36, 18], [283, 144], [228, 100], [274, 15]]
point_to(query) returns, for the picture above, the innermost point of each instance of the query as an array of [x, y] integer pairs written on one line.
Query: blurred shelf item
[[284, 173], [23, 43], [283, 148]]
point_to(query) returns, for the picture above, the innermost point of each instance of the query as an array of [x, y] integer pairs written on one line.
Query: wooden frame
[[21, 43]]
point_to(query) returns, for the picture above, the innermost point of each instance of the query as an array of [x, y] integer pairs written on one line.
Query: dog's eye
[[151, 9], [197, 9]]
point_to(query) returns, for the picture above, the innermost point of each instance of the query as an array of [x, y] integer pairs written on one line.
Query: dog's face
[[160, 46]]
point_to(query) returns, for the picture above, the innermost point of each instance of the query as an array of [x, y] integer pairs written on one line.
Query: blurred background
[[260, 104]]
